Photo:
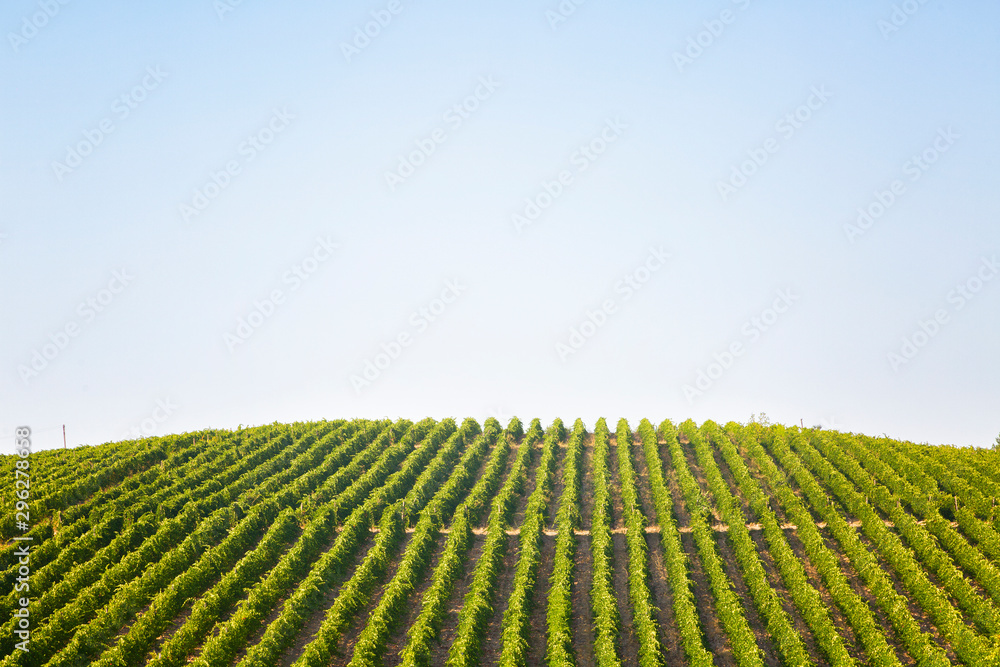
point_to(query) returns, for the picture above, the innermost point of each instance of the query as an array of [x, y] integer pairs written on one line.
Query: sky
[[218, 213]]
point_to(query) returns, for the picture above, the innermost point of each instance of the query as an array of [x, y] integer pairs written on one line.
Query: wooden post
[[64, 436]]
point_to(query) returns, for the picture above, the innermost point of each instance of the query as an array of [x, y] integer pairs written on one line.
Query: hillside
[[438, 542]]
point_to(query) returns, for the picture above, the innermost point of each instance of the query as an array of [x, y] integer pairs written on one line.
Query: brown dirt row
[[491, 644], [615, 487], [537, 622], [628, 643], [582, 622], [558, 485], [517, 517], [587, 482], [174, 626]]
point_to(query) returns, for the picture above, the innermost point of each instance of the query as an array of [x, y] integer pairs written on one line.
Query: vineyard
[[443, 543]]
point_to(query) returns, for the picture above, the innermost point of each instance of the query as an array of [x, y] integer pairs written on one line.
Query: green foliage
[[560, 606], [675, 558], [514, 629], [779, 625], [638, 566], [371, 644], [515, 428], [806, 598], [478, 605], [557, 430], [602, 592], [282, 631], [198, 547], [894, 605], [727, 604]]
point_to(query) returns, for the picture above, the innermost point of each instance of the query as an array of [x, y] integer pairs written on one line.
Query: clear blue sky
[[218, 213]]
